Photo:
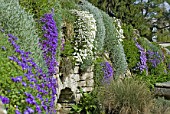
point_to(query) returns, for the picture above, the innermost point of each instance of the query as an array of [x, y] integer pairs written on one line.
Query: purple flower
[[17, 112], [142, 65], [24, 84], [4, 100], [38, 109], [26, 112], [154, 58], [44, 83], [3, 48], [30, 110], [108, 71], [17, 79], [50, 43]]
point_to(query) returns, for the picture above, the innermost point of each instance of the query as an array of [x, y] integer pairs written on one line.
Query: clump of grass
[[161, 106], [127, 96]]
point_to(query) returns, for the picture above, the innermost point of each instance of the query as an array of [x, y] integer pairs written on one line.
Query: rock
[[162, 89], [164, 84], [87, 75], [87, 89], [90, 82], [75, 77], [82, 83], [90, 68], [77, 98], [76, 69], [2, 109]]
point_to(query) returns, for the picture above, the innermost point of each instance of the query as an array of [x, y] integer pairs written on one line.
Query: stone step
[[164, 84], [163, 89]]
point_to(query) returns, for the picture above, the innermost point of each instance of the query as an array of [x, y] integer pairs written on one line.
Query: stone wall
[[68, 92]]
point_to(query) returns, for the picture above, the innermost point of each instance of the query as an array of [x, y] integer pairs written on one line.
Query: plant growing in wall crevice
[[113, 46], [100, 33], [17, 21], [85, 32]]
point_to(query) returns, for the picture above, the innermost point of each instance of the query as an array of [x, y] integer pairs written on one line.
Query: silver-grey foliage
[[16, 21], [113, 46]]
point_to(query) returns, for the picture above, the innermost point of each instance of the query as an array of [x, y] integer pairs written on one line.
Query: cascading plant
[[85, 32]]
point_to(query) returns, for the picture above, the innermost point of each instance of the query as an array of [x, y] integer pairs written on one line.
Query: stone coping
[[164, 84]]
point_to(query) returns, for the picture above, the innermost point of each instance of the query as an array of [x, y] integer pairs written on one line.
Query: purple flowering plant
[[142, 65], [38, 89], [108, 71], [154, 58]]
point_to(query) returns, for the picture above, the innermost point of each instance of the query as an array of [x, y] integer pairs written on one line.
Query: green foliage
[[146, 44], [38, 8], [126, 96], [159, 70], [86, 64], [18, 22], [87, 104], [140, 15], [128, 31], [100, 34], [41, 7], [163, 37], [10, 69], [131, 52], [14, 91], [114, 47], [98, 72], [150, 80], [68, 49], [154, 47], [69, 4], [168, 47], [68, 20]]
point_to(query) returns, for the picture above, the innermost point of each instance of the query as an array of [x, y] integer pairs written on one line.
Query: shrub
[[132, 54], [114, 47], [128, 96], [100, 34], [128, 31], [18, 22]]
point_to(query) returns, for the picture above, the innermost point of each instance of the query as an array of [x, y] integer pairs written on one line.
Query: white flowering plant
[[85, 32]]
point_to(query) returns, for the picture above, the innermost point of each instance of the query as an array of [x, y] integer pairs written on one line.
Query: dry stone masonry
[[68, 92]]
